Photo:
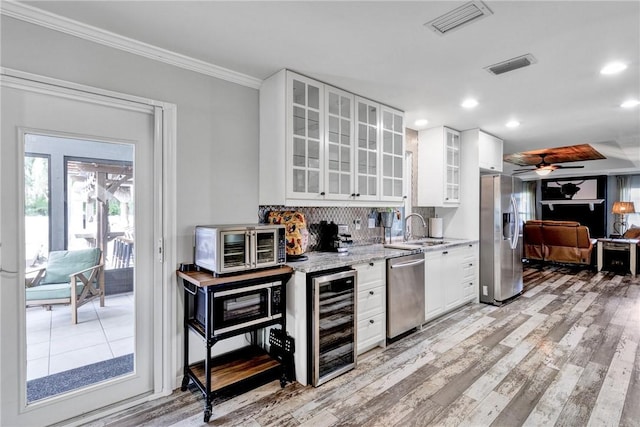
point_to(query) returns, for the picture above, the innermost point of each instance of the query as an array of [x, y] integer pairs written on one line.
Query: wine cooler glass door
[[334, 330]]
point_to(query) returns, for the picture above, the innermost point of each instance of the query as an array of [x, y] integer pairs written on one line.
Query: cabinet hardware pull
[[371, 321], [370, 292], [322, 193], [445, 252], [353, 194], [357, 194], [371, 264]]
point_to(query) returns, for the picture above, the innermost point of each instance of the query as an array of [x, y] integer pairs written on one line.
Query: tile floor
[[55, 345]]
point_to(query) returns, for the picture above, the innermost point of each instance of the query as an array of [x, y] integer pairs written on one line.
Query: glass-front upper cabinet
[[452, 156], [306, 121], [392, 154], [339, 143], [320, 144], [367, 150]]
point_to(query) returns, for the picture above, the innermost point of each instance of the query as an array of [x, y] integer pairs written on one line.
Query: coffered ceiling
[[382, 50]]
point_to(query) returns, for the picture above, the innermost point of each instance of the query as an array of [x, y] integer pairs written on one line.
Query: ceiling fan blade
[[569, 167], [524, 170]]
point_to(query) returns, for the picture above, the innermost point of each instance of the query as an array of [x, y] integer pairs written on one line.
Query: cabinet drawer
[[470, 289], [371, 331], [370, 302], [468, 270], [370, 275]]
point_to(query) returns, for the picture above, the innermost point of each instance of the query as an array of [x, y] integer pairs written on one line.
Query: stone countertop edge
[[319, 261]]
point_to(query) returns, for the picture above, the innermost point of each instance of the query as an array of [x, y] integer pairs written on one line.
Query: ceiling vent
[[511, 64], [459, 17]]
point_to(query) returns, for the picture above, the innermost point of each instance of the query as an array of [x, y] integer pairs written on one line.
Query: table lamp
[[621, 209]]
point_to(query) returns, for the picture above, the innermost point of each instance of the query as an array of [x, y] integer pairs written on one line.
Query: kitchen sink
[[426, 242], [416, 244]]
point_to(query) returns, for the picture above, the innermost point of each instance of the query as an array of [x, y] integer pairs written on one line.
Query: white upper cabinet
[[339, 143], [392, 154], [367, 151], [305, 164], [439, 154], [489, 152], [320, 145]]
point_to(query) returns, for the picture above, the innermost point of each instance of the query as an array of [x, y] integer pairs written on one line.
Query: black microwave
[[241, 307]]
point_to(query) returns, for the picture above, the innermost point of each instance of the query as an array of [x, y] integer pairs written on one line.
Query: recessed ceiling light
[[513, 124], [469, 103], [630, 104], [421, 122], [613, 68]]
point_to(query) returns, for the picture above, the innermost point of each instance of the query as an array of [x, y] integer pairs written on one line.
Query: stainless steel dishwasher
[[405, 294]]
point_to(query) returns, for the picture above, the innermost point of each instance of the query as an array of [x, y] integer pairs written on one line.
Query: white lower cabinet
[[371, 306], [450, 279]]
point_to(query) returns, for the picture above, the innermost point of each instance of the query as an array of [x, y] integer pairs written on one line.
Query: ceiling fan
[[543, 168]]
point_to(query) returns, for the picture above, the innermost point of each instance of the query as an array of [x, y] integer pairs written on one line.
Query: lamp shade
[[622, 208]]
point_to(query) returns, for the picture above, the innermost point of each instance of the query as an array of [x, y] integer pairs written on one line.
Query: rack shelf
[[214, 374], [240, 365]]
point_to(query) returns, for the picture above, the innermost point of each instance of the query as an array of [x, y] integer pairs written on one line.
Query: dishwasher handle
[[407, 264]]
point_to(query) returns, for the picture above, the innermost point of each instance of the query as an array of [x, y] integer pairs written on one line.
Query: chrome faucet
[[407, 234]]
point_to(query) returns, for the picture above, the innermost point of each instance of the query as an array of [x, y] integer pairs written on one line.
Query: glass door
[[307, 156], [452, 192], [339, 143], [366, 150], [334, 325], [235, 251], [266, 247], [392, 155], [100, 157]]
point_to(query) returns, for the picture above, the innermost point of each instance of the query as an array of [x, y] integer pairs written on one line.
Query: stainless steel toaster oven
[[224, 249]]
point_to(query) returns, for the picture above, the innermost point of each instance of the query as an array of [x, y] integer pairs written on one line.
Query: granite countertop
[[319, 261]]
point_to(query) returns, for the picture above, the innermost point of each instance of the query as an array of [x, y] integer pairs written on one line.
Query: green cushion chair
[[81, 270]]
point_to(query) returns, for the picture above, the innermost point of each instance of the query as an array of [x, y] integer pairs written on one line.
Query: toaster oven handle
[[248, 253]]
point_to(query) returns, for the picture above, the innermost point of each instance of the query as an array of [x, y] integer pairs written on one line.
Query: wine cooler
[[332, 324]]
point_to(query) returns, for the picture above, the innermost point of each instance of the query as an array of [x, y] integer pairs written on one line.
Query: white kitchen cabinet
[[435, 279], [392, 154], [371, 306], [292, 163], [470, 272], [489, 152], [320, 145], [451, 279], [439, 154], [367, 150], [339, 144]]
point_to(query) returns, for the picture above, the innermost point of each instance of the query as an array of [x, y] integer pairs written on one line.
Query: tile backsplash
[[349, 216]]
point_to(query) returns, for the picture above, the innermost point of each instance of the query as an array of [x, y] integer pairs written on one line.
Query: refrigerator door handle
[[516, 223]]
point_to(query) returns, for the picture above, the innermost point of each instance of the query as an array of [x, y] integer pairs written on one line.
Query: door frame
[[165, 342]]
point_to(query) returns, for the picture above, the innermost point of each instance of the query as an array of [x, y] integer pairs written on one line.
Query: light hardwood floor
[[565, 353]]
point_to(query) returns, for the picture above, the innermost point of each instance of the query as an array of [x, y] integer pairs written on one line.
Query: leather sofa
[[558, 241]]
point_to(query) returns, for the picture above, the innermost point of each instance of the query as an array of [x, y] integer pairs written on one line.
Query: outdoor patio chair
[[81, 270]]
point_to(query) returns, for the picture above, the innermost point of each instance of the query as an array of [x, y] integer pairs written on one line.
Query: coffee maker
[[334, 237]]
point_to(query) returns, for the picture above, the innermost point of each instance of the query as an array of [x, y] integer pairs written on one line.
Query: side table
[[621, 245]]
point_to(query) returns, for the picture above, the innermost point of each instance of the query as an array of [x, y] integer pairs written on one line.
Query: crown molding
[[45, 19]]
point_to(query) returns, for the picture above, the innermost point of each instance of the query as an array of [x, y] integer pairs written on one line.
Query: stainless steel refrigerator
[[500, 239]]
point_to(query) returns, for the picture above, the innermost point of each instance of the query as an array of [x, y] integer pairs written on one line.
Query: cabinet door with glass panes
[[367, 150], [305, 113], [452, 168], [392, 154], [339, 144]]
